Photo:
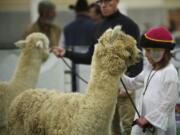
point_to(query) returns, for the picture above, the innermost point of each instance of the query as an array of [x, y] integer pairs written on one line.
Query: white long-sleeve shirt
[[158, 102]]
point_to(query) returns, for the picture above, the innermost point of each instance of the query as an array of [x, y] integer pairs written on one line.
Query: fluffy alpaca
[[43, 112], [34, 52]]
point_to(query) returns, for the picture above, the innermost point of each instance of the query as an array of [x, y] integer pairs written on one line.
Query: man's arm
[[81, 58], [78, 58]]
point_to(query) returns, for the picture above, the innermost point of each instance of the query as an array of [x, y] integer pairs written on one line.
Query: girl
[[159, 80]]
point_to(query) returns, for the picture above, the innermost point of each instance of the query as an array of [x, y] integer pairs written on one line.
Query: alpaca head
[[115, 51], [36, 43]]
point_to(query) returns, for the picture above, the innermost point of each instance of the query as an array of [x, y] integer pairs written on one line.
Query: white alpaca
[[34, 53], [43, 112]]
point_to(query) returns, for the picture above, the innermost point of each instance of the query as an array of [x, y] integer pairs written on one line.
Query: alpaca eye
[[130, 57]]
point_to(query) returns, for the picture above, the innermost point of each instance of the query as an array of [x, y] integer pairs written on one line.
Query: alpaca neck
[[102, 83], [102, 94], [27, 70], [103, 88]]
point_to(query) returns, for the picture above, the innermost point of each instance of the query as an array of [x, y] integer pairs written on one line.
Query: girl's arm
[[159, 117], [135, 82]]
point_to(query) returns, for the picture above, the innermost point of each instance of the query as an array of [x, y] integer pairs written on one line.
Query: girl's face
[[154, 55]]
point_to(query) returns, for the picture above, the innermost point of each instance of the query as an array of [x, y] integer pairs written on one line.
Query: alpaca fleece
[[43, 112], [34, 53]]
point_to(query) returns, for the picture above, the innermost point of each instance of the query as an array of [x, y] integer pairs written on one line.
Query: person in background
[[174, 25], [44, 23], [78, 34], [159, 81], [174, 19], [95, 12], [112, 17]]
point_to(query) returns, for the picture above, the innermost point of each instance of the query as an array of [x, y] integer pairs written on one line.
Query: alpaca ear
[[115, 33], [39, 44], [108, 30], [21, 43]]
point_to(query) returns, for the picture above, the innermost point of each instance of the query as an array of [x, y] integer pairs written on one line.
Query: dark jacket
[[128, 26], [79, 32]]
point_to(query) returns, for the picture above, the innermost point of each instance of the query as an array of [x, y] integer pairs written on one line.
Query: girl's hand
[[142, 121]]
